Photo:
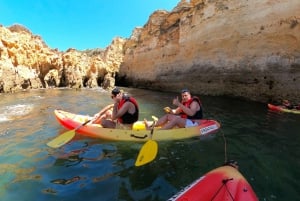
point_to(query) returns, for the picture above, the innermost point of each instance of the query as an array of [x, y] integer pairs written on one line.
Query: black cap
[[185, 90], [115, 91]]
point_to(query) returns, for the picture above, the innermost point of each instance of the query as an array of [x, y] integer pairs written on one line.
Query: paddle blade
[[147, 153], [61, 139]]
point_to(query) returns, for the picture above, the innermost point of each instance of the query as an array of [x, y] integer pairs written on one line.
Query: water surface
[[265, 144]]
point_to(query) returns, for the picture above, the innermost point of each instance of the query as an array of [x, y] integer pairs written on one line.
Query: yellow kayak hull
[[138, 133]]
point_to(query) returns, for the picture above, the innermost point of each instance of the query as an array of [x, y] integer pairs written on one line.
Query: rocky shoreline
[[234, 47]]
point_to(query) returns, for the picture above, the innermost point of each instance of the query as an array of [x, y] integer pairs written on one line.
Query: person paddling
[[105, 113], [188, 113], [286, 104], [125, 111]]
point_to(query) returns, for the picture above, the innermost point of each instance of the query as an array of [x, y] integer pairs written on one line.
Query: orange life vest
[[128, 118], [198, 114]]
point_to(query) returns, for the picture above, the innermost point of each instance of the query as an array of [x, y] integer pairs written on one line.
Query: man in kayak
[[187, 114], [125, 111], [287, 105]]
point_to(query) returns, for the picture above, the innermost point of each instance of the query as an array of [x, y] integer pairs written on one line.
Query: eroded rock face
[[240, 48], [26, 62]]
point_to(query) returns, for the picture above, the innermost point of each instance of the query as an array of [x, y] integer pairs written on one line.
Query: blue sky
[[80, 24]]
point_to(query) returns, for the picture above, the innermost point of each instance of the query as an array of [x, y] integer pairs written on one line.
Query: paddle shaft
[[152, 130], [83, 124], [69, 135], [65, 137]]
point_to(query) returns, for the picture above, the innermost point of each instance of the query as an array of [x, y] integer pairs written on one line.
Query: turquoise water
[[266, 145]]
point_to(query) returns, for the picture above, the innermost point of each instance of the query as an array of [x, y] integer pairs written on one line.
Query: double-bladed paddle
[[65, 137], [149, 150]]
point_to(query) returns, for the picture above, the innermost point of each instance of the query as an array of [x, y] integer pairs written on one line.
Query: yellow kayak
[[138, 133]]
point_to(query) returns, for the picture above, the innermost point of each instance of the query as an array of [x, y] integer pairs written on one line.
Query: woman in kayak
[[124, 113], [187, 114]]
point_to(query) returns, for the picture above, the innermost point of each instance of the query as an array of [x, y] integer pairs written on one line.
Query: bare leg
[[165, 119], [168, 121], [147, 124], [106, 115], [162, 121], [175, 121]]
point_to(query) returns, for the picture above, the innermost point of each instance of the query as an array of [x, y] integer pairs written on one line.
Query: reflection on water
[[65, 181], [265, 144]]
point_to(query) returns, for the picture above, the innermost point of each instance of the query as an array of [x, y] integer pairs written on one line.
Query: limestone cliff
[[26, 62], [239, 48]]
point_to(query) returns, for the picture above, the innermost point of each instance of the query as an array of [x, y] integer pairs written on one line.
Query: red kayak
[[225, 183], [282, 109]]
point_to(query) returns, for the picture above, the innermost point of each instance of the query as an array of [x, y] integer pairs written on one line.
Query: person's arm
[[118, 113], [108, 107], [172, 111], [101, 112], [177, 110], [191, 111]]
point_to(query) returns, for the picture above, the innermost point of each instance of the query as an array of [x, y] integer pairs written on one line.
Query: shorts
[[190, 123]]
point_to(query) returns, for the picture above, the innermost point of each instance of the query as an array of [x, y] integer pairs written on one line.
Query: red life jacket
[[128, 118], [198, 114]]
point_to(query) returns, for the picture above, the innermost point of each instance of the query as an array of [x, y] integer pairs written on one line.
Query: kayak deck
[[223, 183]]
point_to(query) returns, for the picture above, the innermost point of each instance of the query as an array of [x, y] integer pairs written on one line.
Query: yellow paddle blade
[[147, 153], [61, 139]]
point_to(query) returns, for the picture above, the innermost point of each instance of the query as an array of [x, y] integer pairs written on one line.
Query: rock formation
[[240, 48], [26, 62]]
